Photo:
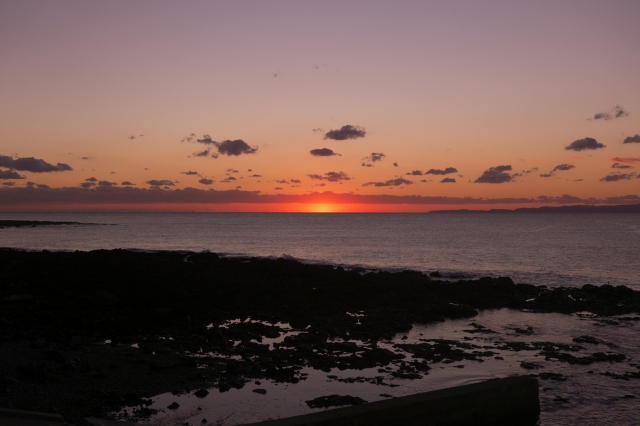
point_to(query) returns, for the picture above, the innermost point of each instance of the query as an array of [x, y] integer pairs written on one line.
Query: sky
[[318, 105]]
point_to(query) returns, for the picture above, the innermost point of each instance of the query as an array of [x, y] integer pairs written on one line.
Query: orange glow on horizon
[[267, 208]]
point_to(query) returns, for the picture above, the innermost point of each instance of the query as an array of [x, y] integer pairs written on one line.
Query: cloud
[[346, 132], [127, 183], [235, 148], [277, 188], [375, 156], [632, 139], [446, 171], [87, 184], [229, 179], [106, 184], [91, 179], [584, 144], [616, 112], [189, 138], [624, 199], [559, 167], [331, 176], [132, 137], [448, 180], [189, 173], [415, 173], [395, 164], [205, 181], [10, 174], [296, 181], [231, 171], [160, 182], [204, 153], [318, 129], [282, 181], [323, 152], [9, 183], [526, 172], [621, 166], [495, 175], [367, 165], [33, 165], [255, 176], [615, 177], [228, 147], [627, 160], [391, 182]]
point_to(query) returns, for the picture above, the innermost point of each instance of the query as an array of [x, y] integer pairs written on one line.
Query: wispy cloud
[[375, 156], [615, 177], [626, 160], [331, 176], [391, 182], [616, 112], [559, 167], [160, 182]]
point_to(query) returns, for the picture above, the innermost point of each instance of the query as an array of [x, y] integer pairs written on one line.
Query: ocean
[[535, 248], [552, 249]]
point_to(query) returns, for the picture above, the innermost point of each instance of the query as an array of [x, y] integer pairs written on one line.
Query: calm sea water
[[551, 249], [536, 248]]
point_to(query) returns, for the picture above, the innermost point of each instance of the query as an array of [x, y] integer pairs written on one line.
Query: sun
[[322, 208]]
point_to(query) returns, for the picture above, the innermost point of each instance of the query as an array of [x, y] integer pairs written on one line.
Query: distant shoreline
[[633, 208], [34, 223]]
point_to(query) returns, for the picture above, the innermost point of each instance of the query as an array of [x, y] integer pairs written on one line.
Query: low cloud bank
[[41, 196]]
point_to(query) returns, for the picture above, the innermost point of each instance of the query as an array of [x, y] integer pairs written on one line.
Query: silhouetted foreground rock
[[57, 310]]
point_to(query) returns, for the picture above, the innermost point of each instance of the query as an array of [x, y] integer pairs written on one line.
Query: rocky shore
[[86, 333]]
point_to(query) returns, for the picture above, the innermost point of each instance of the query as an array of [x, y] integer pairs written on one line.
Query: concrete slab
[[101, 422], [493, 402]]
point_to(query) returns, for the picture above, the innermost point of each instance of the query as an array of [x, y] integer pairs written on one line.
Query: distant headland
[[632, 208]]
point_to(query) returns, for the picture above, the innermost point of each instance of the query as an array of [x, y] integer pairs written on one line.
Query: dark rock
[[529, 365], [201, 393], [334, 401], [587, 339], [553, 376], [173, 406], [260, 391]]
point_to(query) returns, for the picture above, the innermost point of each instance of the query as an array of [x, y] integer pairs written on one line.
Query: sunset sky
[[318, 105]]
